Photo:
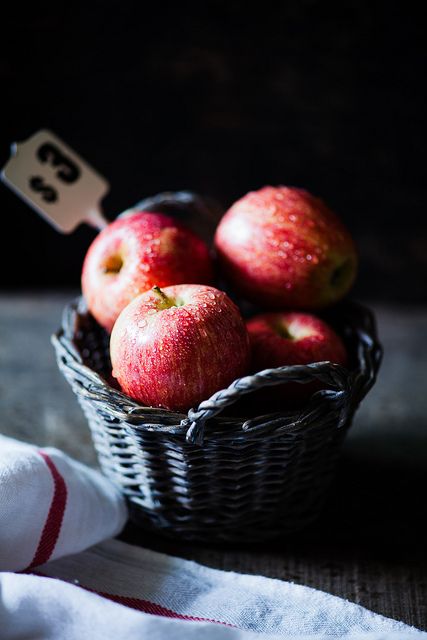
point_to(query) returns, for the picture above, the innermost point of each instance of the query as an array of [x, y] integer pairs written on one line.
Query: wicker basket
[[212, 477]]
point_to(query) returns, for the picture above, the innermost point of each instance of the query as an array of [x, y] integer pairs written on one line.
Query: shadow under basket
[[209, 476]]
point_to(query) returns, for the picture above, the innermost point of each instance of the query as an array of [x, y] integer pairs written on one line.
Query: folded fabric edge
[[63, 608], [155, 568]]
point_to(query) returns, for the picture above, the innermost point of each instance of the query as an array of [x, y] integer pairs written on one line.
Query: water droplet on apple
[[309, 257]]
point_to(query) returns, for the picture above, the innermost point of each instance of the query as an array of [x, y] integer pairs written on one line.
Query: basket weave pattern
[[206, 476]]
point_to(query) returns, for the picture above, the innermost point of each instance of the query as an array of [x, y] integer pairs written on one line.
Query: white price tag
[[56, 182]]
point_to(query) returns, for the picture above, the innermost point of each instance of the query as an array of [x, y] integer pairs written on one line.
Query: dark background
[[221, 99]]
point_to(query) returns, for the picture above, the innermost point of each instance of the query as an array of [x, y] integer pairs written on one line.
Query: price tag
[[56, 182]]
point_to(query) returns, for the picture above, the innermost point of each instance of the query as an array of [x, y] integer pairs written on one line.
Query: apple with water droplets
[[290, 338], [287, 338], [174, 347], [133, 254], [281, 247]]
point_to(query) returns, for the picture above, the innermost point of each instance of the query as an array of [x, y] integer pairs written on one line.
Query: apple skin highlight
[[133, 254], [280, 247], [177, 348]]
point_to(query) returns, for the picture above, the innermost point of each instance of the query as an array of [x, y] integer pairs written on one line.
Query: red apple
[[279, 339], [175, 347], [133, 254], [281, 247]]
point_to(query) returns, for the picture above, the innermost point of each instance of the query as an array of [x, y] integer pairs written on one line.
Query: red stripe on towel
[[52, 527], [155, 609], [139, 604]]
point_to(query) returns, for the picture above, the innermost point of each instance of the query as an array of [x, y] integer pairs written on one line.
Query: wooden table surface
[[369, 545]]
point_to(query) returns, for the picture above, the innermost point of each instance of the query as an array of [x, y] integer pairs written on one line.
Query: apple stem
[[162, 296]]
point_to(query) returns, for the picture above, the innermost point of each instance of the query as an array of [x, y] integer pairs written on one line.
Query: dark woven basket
[[212, 477]]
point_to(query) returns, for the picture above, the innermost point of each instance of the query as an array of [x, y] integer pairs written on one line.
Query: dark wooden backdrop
[[222, 99]]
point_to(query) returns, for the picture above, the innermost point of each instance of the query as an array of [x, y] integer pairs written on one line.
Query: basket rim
[[350, 385]]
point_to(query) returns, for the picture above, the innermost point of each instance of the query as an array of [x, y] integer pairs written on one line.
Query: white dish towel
[[54, 511]]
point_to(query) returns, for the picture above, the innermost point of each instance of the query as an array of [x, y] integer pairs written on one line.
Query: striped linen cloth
[[63, 577]]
